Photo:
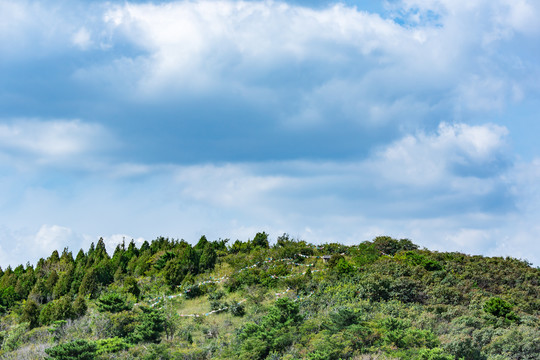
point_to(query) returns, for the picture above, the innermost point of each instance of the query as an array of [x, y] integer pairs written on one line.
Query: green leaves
[[150, 325], [500, 308], [113, 303], [497, 307], [75, 350], [276, 331], [111, 345]]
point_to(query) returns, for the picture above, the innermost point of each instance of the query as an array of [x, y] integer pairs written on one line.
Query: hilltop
[[379, 299]]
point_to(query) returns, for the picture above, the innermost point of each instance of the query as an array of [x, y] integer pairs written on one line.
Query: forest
[[263, 299]]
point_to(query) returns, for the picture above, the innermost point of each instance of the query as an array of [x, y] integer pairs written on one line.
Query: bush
[[13, 339], [275, 332], [434, 354], [60, 309], [500, 308], [111, 345], [237, 309], [216, 295], [75, 350]]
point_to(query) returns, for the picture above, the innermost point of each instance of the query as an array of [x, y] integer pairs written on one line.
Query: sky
[[328, 121]]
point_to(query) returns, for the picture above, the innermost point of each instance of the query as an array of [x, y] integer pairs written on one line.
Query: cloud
[[30, 246], [82, 38], [118, 239], [460, 149], [27, 246], [217, 78], [54, 141]]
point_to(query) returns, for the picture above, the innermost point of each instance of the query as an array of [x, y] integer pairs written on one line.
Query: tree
[[131, 286], [30, 313], [59, 309], [150, 326], [203, 242], [51, 282], [497, 307], [89, 284], [261, 240], [275, 332], [390, 246], [113, 303], [79, 306], [187, 261], [208, 258], [8, 297], [434, 354], [63, 285]]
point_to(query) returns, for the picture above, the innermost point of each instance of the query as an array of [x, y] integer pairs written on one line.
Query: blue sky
[[327, 121]]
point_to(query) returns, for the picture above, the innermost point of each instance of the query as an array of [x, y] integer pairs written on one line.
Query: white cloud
[[82, 38], [33, 29], [449, 58], [198, 45], [23, 245], [232, 186], [431, 160], [51, 237], [118, 239], [56, 141], [359, 67]]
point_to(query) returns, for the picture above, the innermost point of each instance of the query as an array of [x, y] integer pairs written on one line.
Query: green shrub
[[111, 345], [216, 295], [75, 350], [497, 307], [237, 309], [275, 332], [434, 354], [500, 308], [60, 309], [13, 338]]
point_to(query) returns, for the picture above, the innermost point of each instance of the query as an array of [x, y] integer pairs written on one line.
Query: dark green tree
[[185, 262], [203, 242], [131, 286], [497, 307], [208, 258], [275, 332], [79, 306], [261, 240], [30, 313], [150, 325], [89, 284], [63, 285], [113, 303], [390, 246]]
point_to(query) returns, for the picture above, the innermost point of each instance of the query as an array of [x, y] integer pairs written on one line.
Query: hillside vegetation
[[380, 299]]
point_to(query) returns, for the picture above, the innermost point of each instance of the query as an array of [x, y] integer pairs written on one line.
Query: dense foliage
[[168, 299]]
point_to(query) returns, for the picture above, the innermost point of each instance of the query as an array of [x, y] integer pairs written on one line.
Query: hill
[[380, 299]]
